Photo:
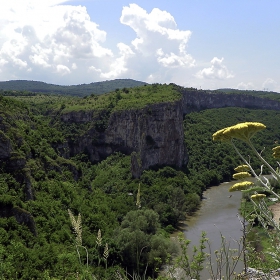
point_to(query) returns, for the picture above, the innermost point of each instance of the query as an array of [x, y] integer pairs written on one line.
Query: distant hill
[[251, 92], [74, 90], [258, 93]]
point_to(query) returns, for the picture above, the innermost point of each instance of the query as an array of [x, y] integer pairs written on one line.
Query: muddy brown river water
[[218, 215]]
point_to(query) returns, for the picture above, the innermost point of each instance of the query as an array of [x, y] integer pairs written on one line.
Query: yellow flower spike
[[241, 175], [242, 168], [241, 186], [258, 196]]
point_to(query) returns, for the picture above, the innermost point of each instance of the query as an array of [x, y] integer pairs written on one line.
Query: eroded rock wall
[[155, 133], [198, 100]]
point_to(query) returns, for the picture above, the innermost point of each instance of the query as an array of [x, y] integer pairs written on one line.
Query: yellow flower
[[242, 168], [243, 131], [241, 175], [241, 186], [276, 152], [258, 196], [219, 136]]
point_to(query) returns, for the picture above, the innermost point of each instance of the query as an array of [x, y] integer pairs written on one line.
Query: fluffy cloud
[[158, 37], [270, 84], [49, 40], [45, 40], [246, 86], [217, 70], [62, 69], [119, 67]]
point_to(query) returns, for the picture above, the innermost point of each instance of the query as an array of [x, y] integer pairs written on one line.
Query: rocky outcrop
[[77, 116], [22, 216], [5, 146], [197, 100], [155, 133]]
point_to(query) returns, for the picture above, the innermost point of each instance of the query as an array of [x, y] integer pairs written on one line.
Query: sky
[[205, 44]]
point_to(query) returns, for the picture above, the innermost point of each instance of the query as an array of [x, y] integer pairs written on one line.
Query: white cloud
[[3, 62], [119, 67], [246, 86], [217, 71], [157, 30], [45, 40], [49, 39], [173, 60], [62, 69], [94, 69], [159, 49], [270, 85]]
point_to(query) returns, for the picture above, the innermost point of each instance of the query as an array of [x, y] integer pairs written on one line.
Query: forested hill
[[74, 90], [258, 93]]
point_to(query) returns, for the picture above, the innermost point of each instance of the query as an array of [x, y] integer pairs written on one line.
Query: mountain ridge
[[74, 90]]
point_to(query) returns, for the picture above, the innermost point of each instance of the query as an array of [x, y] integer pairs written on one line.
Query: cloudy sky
[[206, 44]]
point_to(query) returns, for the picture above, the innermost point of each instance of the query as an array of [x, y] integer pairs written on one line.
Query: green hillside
[[74, 90]]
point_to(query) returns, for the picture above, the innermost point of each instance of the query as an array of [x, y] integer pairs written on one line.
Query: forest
[[30, 87], [66, 216]]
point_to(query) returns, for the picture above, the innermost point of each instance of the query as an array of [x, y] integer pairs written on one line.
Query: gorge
[[154, 134]]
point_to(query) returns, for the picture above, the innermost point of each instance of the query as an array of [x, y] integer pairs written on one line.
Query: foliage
[[258, 93], [193, 265], [199, 127], [43, 180]]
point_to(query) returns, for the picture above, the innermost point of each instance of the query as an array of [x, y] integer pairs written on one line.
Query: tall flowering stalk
[[106, 254], [138, 198], [244, 132], [99, 244], [77, 228]]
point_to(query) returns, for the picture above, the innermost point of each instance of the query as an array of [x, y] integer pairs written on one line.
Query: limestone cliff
[[5, 146], [22, 216], [197, 100], [155, 133]]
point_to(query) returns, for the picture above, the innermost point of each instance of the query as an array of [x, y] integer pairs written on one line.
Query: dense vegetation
[[40, 185], [217, 160], [258, 93], [76, 90]]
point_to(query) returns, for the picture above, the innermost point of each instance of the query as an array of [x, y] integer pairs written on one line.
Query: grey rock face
[[22, 216], [5, 146], [201, 100], [155, 133]]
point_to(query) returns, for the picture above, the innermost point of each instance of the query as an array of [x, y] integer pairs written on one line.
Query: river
[[217, 215]]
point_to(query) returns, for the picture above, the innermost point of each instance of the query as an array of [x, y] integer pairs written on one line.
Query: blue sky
[[205, 44]]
